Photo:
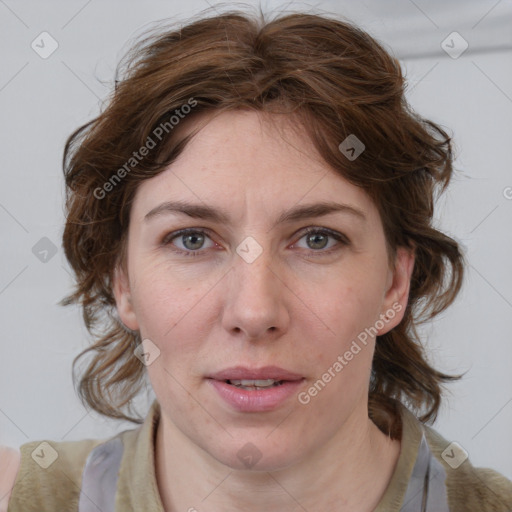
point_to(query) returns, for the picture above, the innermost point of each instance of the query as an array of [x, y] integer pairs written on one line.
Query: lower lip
[[256, 401]]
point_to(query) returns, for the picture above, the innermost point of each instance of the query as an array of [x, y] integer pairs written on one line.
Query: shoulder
[[469, 488], [9, 466], [49, 475]]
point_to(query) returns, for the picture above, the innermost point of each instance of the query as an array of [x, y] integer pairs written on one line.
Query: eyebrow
[[198, 211]]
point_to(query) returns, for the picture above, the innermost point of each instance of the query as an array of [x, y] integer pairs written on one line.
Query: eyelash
[[342, 239]]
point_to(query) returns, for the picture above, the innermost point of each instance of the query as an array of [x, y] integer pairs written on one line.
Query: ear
[[397, 292], [122, 294]]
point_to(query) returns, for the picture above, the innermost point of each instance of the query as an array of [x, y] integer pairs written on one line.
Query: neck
[[350, 472]]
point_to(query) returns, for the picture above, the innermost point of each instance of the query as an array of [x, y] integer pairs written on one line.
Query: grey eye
[[193, 241], [317, 240]]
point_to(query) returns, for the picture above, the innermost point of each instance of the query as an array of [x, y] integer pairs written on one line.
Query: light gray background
[[43, 100]]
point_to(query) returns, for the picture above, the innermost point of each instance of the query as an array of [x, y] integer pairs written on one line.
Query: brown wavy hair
[[334, 79]]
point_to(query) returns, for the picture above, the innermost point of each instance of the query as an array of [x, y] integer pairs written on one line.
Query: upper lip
[[263, 373]]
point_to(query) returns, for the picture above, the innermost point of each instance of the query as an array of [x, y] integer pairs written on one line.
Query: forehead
[[250, 145], [245, 160]]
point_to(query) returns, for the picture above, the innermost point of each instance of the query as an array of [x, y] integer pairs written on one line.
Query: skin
[[10, 459], [299, 305]]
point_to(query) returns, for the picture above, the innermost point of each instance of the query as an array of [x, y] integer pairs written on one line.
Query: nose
[[254, 305]]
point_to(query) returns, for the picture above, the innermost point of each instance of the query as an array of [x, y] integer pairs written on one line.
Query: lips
[[265, 373], [255, 390]]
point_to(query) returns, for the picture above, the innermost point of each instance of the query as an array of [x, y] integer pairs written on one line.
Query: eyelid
[[318, 229], [341, 238], [169, 237]]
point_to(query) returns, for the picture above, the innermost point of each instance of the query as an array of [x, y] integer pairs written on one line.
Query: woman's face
[[249, 295]]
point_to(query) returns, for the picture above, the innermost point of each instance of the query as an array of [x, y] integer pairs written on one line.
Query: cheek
[[342, 356], [352, 304], [170, 309], [165, 302]]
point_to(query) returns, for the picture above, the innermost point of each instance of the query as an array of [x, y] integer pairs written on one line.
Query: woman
[[250, 221]]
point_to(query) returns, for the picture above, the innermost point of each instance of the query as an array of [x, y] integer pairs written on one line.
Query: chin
[[256, 455]]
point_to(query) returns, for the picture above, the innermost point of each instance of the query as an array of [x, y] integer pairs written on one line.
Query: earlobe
[[122, 294], [397, 294]]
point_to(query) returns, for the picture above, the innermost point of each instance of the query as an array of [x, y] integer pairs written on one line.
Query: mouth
[[255, 390], [264, 377], [254, 385]]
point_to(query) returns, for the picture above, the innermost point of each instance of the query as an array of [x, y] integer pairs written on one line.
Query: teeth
[[250, 383]]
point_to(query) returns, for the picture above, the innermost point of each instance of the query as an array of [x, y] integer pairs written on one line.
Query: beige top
[[57, 488]]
